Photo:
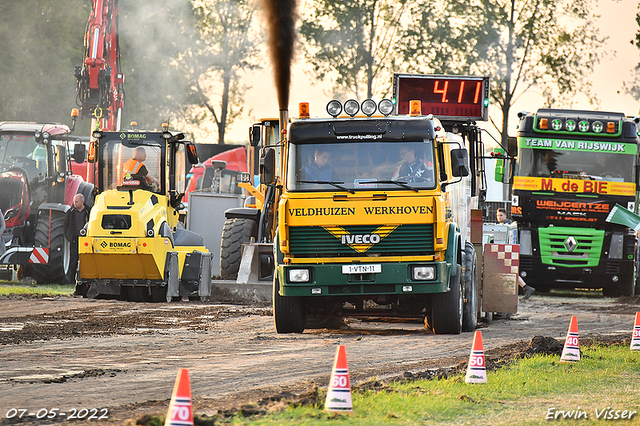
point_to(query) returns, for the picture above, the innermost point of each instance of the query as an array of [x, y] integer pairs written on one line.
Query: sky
[[617, 22]]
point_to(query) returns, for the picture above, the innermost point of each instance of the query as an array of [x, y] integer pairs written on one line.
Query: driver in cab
[[413, 167], [135, 172]]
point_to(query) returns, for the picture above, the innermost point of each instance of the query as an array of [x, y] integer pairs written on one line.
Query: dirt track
[[76, 353]]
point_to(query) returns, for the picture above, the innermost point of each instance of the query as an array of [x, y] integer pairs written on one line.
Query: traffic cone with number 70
[[339, 393], [180, 411], [476, 369]]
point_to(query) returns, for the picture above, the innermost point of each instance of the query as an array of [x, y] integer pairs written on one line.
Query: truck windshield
[[134, 166], [22, 151], [568, 164], [361, 166]]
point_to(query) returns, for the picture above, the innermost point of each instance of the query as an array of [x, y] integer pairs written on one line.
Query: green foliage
[[354, 43], [552, 45], [40, 42], [523, 393], [179, 58], [226, 46]]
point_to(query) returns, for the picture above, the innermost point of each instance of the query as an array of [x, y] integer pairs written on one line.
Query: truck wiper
[[327, 182], [395, 182]]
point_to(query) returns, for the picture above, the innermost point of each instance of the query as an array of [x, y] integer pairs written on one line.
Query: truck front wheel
[[288, 312], [235, 232], [446, 308]]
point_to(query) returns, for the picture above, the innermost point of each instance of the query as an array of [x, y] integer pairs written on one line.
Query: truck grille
[[556, 243], [317, 241]]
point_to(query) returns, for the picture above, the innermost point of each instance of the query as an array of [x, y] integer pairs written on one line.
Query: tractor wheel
[[50, 233], [470, 277], [234, 233], [446, 308], [288, 312]]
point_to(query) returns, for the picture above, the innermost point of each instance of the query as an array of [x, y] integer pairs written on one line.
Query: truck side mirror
[[254, 135], [459, 163], [268, 167], [501, 171], [79, 153], [192, 154]]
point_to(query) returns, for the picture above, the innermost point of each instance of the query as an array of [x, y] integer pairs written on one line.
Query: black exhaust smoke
[[281, 18]]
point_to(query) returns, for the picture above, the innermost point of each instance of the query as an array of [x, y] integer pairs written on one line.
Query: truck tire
[[470, 296], [86, 189], [288, 312], [55, 270], [446, 308], [235, 232]]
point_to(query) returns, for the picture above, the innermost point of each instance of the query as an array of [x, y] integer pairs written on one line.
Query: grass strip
[[599, 389], [8, 287]]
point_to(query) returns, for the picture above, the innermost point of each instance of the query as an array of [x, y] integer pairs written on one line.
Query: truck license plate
[[361, 269]]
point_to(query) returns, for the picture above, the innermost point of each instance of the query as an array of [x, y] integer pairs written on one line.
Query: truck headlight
[[423, 273], [526, 248], [617, 246], [299, 275]]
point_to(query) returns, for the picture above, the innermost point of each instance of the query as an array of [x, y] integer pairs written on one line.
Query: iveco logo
[[360, 239], [103, 244], [571, 244], [360, 242]]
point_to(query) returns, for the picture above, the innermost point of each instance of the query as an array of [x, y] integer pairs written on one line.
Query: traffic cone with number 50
[[476, 369], [339, 393], [180, 411]]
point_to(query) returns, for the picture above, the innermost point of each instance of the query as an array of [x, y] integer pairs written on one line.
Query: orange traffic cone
[[571, 350], [339, 393], [180, 411], [476, 369], [635, 340]]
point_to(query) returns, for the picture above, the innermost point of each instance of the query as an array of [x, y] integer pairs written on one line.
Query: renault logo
[[571, 244]]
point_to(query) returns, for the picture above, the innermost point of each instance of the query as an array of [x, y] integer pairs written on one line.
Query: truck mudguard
[[242, 213], [54, 206], [453, 238]]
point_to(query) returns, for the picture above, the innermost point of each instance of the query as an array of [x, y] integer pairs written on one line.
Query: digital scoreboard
[[448, 97]]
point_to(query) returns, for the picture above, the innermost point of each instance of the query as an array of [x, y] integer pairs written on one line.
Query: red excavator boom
[[100, 81]]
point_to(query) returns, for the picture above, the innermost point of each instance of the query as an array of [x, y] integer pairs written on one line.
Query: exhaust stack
[[282, 122]]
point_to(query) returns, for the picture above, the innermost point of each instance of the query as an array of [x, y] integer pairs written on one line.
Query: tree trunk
[[224, 106]]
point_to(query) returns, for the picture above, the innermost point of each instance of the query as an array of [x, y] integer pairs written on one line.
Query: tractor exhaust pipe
[[282, 122]]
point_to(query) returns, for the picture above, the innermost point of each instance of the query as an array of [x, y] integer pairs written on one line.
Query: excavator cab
[[134, 247]]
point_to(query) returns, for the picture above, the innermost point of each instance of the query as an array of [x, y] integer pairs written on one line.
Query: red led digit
[[477, 95], [443, 90], [460, 92]]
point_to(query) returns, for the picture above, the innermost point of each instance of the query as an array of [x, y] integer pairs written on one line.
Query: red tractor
[[37, 186]]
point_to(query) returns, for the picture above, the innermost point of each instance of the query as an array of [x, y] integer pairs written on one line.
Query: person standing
[[501, 215], [77, 217]]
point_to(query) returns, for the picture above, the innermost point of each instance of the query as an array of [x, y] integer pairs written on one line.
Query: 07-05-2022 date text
[[52, 413]]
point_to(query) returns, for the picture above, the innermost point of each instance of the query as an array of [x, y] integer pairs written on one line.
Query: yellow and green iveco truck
[[368, 210], [133, 247]]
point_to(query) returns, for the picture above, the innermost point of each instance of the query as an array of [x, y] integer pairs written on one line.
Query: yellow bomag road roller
[[133, 247]]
